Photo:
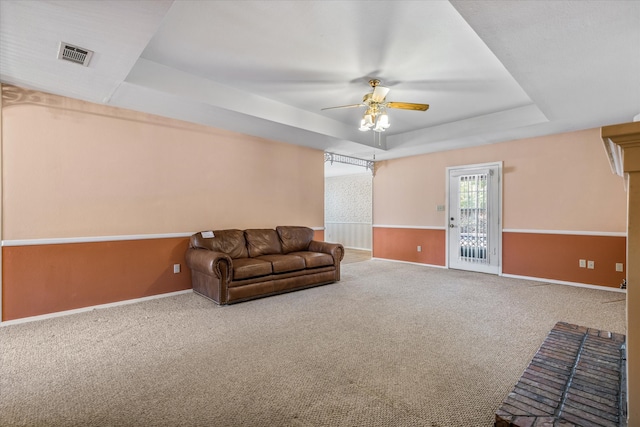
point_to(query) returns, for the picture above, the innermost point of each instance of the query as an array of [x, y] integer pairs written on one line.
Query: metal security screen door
[[474, 218]]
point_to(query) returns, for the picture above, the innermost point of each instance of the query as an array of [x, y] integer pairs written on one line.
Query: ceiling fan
[[375, 117]]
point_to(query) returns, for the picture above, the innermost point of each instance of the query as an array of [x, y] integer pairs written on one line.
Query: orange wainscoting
[[402, 243], [556, 256], [42, 279]]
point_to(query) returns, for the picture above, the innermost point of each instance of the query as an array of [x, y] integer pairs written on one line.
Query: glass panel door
[[472, 218], [473, 237]]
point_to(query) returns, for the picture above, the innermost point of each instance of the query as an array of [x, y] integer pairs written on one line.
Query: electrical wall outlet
[[582, 263], [591, 264], [176, 268], [419, 249], [619, 266], [440, 208]]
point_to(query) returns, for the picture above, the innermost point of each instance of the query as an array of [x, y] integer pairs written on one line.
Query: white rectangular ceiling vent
[[76, 54]]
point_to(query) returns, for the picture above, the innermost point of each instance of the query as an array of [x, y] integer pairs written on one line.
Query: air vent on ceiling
[[76, 54]]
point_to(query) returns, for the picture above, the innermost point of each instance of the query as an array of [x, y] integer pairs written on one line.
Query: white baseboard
[[410, 262], [90, 308], [186, 291], [534, 279], [563, 282]]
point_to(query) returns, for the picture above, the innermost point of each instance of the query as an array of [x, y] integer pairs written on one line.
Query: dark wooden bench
[[576, 378]]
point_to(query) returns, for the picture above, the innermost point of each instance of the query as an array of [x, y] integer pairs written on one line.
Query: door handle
[[451, 225]]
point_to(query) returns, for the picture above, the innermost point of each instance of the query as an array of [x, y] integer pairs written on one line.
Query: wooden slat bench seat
[[576, 378]]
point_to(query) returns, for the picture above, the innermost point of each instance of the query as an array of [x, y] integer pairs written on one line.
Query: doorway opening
[[348, 207]]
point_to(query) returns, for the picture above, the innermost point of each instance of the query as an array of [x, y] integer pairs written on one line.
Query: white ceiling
[[490, 70]]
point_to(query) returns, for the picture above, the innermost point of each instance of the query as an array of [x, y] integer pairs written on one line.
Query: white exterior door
[[474, 234]]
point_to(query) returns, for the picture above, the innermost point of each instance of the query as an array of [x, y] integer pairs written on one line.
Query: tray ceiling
[[490, 70]]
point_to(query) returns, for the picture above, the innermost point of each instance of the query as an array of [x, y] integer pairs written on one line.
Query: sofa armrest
[[336, 250], [209, 262]]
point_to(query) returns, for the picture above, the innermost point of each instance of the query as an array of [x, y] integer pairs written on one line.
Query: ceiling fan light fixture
[[363, 126], [375, 117], [383, 121], [379, 128], [368, 119]]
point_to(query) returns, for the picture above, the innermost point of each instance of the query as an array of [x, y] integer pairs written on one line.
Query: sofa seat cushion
[[314, 259], [284, 263], [245, 268]]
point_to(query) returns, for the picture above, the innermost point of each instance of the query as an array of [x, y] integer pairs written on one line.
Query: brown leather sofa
[[237, 265]]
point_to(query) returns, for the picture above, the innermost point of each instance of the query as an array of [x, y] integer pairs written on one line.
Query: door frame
[[499, 166]]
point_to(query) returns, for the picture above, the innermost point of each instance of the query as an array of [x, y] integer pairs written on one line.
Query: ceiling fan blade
[[408, 106], [343, 106], [379, 93]]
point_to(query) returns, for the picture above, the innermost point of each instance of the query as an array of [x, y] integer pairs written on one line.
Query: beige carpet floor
[[390, 345]]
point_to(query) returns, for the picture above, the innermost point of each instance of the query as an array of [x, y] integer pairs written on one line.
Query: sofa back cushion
[[294, 239], [231, 242], [262, 242]]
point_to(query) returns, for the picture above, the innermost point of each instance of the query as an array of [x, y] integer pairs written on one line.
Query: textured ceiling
[[490, 70]]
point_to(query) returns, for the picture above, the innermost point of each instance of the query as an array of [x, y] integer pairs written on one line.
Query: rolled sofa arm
[[208, 262], [336, 250]]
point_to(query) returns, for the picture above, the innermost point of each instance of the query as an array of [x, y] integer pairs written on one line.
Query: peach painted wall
[[401, 243], [557, 190], [557, 182], [554, 256], [42, 279], [73, 169]]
